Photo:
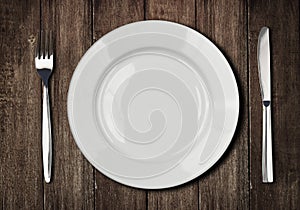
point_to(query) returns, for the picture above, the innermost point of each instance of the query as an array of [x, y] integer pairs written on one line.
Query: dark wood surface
[[283, 19], [233, 183], [225, 23]]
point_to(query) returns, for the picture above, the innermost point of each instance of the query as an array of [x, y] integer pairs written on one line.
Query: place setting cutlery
[[264, 70], [44, 65], [148, 108]]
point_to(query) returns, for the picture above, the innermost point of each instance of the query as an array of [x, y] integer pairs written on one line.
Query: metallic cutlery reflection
[[263, 56], [44, 66]]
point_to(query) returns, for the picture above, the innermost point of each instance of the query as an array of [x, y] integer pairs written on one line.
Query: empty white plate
[[153, 104]]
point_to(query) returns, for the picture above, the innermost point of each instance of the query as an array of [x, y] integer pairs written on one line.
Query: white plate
[[153, 104]]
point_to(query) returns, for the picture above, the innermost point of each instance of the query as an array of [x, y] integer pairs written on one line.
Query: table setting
[[153, 111]]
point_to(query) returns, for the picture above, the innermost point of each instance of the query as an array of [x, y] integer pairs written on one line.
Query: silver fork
[[44, 66]]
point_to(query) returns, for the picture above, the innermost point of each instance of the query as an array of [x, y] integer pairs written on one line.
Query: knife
[[263, 56]]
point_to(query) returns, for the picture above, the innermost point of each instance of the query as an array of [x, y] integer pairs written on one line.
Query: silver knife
[[263, 56]]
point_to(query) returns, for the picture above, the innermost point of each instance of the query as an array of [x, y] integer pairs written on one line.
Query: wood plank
[[186, 196], [282, 17], [72, 186], [181, 197], [20, 104], [226, 185], [112, 195], [108, 15], [179, 11]]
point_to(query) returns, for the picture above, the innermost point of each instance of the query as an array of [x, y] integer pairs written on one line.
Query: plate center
[[147, 109]]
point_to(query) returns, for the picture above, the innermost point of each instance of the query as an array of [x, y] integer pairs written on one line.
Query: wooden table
[[233, 183]]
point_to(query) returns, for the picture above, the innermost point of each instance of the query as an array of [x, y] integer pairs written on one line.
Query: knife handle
[[267, 159], [46, 136]]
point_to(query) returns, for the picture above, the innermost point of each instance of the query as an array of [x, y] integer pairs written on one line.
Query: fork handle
[[46, 136], [267, 162]]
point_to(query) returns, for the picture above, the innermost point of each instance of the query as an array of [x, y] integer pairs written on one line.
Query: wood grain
[[20, 103], [183, 197], [72, 185], [233, 183], [111, 14], [179, 11], [226, 185], [282, 17], [108, 15]]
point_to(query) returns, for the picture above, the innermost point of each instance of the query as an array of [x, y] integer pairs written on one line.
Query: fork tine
[[50, 44], [42, 44], [46, 44]]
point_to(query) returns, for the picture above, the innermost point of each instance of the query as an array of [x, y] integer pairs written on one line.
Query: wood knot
[[31, 39]]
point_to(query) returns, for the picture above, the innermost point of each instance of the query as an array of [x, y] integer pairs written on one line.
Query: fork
[[44, 66]]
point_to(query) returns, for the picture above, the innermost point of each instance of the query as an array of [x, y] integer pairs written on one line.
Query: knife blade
[[264, 71], [264, 64]]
